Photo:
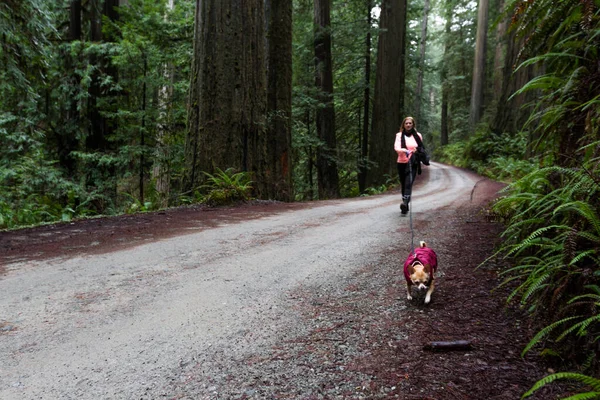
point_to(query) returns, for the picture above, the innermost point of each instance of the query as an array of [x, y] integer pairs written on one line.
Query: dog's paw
[[409, 297], [427, 299]]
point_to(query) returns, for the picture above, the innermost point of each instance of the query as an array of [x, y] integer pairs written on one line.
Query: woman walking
[[406, 144]]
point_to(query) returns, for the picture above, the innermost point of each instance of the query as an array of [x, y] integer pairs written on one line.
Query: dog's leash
[[412, 232]]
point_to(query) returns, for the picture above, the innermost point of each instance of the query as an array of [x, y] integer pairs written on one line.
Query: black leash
[[412, 232]]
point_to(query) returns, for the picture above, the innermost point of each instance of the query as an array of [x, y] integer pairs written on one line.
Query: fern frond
[[582, 255], [583, 209], [581, 328], [587, 380], [534, 286], [545, 332]]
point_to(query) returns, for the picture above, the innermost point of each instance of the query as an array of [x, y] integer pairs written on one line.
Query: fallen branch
[[456, 345]]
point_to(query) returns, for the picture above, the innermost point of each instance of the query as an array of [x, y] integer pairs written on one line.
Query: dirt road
[[179, 315]]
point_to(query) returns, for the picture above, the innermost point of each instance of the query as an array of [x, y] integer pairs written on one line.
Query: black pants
[[407, 174]]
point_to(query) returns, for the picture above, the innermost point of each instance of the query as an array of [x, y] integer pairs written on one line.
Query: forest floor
[[352, 336]]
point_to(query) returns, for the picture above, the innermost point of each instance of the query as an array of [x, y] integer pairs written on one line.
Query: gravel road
[[129, 324]]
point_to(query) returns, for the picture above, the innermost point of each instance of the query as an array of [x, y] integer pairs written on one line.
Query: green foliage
[[47, 169], [390, 182], [227, 187], [553, 238], [563, 40], [500, 157], [553, 213], [458, 48], [589, 381]]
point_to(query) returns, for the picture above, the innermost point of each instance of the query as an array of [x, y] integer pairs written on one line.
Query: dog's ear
[[427, 268], [411, 269]]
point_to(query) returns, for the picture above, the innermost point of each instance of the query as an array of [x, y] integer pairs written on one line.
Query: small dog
[[418, 270]]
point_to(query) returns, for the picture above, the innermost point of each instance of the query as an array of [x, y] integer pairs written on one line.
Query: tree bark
[[479, 64], [327, 172], [279, 100], [445, 84], [499, 53], [227, 105], [162, 156], [510, 114], [364, 141], [420, 72], [388, 103]]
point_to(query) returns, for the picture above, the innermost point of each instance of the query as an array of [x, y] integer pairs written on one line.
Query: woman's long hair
[[413, 121]]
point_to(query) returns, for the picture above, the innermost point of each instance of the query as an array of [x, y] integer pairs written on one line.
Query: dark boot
[[404, 205]]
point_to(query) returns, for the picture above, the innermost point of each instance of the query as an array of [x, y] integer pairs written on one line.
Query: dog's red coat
[[425, 256]]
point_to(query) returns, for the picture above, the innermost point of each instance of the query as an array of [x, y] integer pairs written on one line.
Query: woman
[[406, 146]]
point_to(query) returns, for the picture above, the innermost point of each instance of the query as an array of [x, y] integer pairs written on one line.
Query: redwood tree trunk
[[511, 113], [227, 103], [327, 173], [421, 71], [388, 103], [162, 157], [364, 142], [279, 100], [479, 63], [445, 85]]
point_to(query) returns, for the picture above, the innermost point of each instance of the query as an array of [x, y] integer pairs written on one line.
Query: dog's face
[[420, 275]]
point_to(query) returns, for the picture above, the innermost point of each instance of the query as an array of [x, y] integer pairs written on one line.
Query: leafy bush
[[501, 157]]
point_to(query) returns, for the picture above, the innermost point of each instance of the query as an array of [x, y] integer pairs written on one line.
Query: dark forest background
[[122, 106]]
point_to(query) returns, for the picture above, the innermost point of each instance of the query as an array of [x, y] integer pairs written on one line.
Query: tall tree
[[479, 63], [66, 135], [364, 140], [279, 100], [227, 104], [388, 103], [160, 169], [421, 69], [101, 127], [443, 78], [511, 112], [327, 171], [500, 52]]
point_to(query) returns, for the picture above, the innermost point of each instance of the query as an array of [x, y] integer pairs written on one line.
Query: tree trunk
[[96, 136], [327, 173], [388, 103], [420, 72], [364, 142], [160, 169], [510, 113], [279, 100], [445, 84], [227, 103], [75, 20], [310, 162], [499, 53], [67, 138], [101, 128], [479, 64]]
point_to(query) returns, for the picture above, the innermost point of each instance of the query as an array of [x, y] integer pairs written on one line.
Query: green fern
[[226, 187], [544, 333], [587, 380]]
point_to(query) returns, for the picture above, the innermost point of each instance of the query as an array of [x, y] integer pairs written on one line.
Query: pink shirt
[[411, 144]]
